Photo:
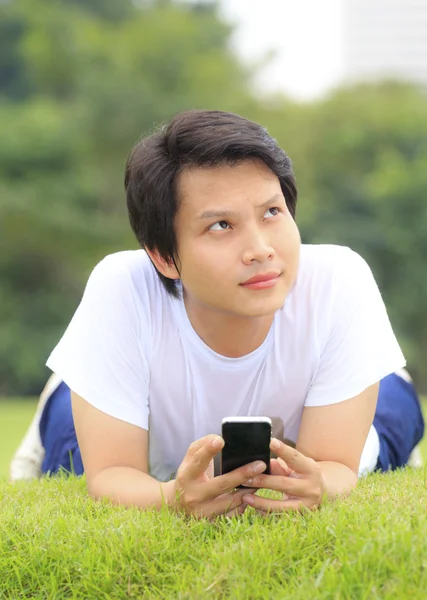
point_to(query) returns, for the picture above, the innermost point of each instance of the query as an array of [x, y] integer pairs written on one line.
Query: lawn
[[57, 543], [15, 416]]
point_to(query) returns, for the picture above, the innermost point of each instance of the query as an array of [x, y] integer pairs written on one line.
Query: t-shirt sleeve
[[360, 347], [101, 355]]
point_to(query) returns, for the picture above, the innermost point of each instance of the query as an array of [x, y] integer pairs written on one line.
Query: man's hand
[[200, 495], [298, 477]]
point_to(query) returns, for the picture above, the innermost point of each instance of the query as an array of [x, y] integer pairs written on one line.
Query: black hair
[[195, 138]]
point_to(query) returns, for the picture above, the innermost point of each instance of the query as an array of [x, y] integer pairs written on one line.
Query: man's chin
[[261, 308]]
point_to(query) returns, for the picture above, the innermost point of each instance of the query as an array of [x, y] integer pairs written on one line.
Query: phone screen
[[245, 443]]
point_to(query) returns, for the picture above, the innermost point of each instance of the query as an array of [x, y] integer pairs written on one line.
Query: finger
[[279, 467], [237, 499], [201, 442], [277, 506], [223, 484], [241, 492], [286, 485], [228, 502], [196, 463], [225, 503], [236, 511], [294, 459]]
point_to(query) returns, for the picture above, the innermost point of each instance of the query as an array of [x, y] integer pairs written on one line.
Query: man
[[223, 312]]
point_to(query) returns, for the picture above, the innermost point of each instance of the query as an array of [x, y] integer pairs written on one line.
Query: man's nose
[[257, 248]]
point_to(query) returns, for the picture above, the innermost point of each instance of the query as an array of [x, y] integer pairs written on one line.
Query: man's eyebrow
[[215, 214]]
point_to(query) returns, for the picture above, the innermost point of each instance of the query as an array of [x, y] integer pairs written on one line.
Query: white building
[[385, 39]]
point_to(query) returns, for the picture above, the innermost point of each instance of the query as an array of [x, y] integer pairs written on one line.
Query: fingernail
[[274, 444], [248, 499], [259, 467], [217, 442], [249, 482]]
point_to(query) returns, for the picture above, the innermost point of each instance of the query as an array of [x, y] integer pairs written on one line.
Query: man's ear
[[166, 268]]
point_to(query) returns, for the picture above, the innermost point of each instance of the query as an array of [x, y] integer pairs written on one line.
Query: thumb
[[210, 470]]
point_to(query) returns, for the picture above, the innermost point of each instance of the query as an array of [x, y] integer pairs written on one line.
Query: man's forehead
[[219, 188]]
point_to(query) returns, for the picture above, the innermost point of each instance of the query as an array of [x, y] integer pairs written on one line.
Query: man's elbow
[[96, 485]]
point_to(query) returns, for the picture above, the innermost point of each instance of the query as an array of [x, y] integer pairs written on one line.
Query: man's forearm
[[339, 480], [129, 487]]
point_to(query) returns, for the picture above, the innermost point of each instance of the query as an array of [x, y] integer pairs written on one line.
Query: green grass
[[15, 416], [57, 543]]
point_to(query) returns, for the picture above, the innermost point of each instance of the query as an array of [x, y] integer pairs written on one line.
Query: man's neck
[[227, 334]]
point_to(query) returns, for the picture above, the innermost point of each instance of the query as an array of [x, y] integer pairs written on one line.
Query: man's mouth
[[262, 281]]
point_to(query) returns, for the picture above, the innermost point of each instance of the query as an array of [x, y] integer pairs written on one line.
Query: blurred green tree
[[81, 82], [361, 156]]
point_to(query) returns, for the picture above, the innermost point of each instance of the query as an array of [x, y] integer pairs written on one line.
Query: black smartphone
[[246, 439]]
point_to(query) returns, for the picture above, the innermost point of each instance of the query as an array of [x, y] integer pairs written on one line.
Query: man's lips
[[262, 278]]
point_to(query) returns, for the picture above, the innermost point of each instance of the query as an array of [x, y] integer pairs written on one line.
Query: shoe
[[403, 373], [27, 461], [415, 459]]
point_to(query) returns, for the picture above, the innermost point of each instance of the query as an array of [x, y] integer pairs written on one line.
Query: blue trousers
[[58, 435], [398, 421]]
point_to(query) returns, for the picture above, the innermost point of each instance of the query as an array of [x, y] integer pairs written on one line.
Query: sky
[[306, 35]]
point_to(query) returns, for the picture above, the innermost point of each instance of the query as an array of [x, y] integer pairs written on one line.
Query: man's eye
[[273, 209], [220, 225]]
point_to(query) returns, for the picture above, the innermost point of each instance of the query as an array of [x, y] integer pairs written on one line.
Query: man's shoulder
[[333, 278], [125, 260], [126, 277], [134, 265], [325, 268], [320, 262], [318, 255]]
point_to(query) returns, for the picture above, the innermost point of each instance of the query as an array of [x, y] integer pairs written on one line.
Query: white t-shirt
[[131, 351]]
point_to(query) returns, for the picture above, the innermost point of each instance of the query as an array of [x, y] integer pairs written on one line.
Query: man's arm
[[334, 436], [326, 458], [115, 456]]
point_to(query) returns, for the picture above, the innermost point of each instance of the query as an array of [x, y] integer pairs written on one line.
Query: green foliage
[[81, 81], [88, 87], [15, 416], [56, 542], [364, 184]]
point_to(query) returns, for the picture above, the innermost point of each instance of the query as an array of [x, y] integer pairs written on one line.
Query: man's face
[[233, 224]]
